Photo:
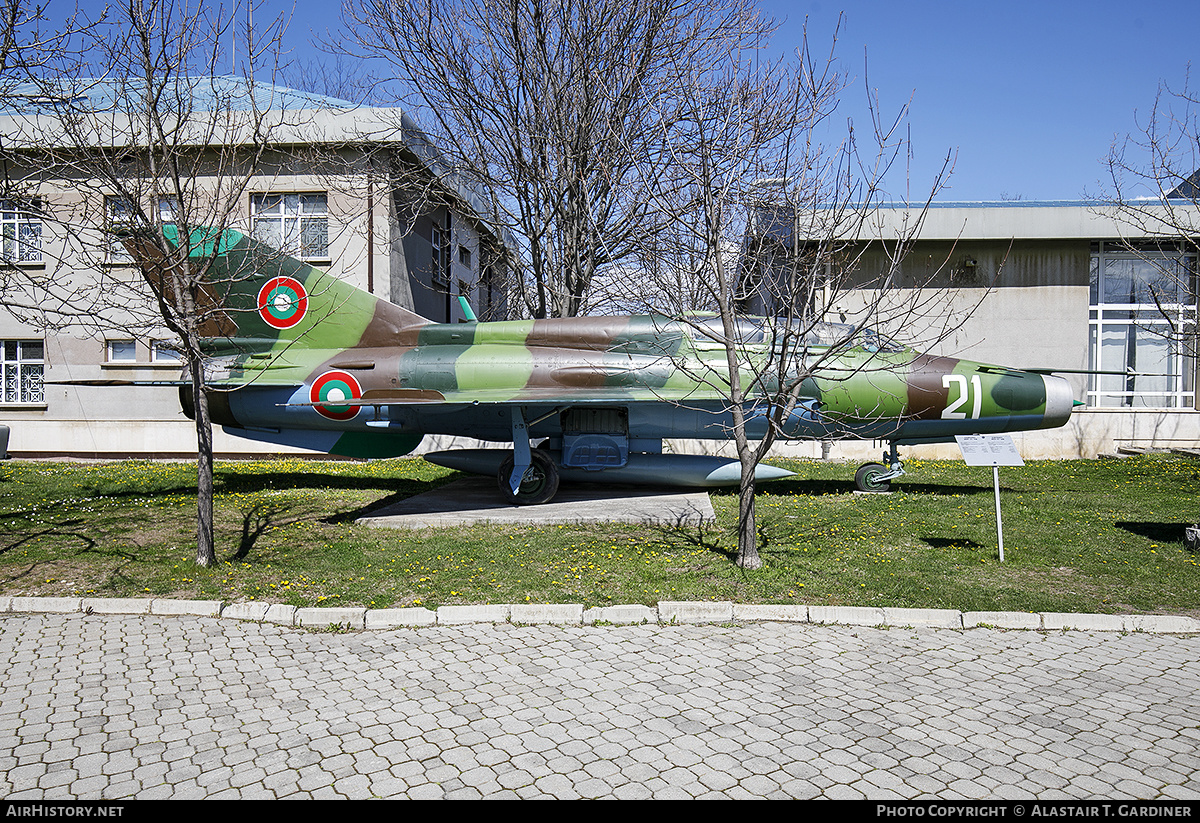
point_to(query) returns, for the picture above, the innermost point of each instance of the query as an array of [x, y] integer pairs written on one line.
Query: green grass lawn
[[1080, 536]]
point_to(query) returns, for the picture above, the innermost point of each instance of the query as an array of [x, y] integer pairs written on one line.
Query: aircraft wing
[[508, 397], [115, 382]]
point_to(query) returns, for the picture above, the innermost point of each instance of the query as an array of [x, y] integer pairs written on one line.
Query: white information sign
[[988, 450], [993, 450]]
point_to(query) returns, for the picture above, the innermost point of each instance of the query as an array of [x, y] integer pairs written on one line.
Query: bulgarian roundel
[[331, 387], [282, 302]]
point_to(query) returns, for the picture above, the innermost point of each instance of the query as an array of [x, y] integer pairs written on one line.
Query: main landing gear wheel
[[539, 485], [867, 478]]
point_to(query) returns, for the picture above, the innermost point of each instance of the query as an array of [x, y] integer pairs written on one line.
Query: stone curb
[[620, 615], [457, 615], [567, 614], [115, 605], [338, 616], [695, 611], [206, 608], [400, 618], [574, 614]]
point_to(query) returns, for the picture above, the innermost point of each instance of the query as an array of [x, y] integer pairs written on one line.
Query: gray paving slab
[[475, 500], [111, 706]]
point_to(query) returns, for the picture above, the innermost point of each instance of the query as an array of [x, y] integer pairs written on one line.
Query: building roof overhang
[[1011, 220]]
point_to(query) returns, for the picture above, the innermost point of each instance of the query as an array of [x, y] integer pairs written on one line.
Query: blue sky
[[1030, 95]]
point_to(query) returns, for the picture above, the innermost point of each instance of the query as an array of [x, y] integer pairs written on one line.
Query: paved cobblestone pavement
[[106, 707]]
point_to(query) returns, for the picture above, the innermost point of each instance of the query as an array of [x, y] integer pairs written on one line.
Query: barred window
[[296, 224], [21, 371], [20, 231]]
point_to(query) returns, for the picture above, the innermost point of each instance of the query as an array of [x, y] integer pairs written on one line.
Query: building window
[[20, 232], [168, 210], [120, 351], [119, 216], [1143, 325], [22, 370], [162, 351], [296, 224], [464, 256]]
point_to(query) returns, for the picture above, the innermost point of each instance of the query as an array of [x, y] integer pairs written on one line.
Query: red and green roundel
[[282, 302], [331, 387]]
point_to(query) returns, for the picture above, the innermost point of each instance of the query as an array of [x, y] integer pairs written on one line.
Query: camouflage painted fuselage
[[304, 359]]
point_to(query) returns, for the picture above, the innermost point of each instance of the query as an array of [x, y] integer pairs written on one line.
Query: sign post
[[993, 450]]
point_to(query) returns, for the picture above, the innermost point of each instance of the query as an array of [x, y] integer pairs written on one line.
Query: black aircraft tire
[[867, 478], [539, 485]]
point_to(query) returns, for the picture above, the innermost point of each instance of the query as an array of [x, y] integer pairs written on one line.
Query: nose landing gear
[[878, 477]]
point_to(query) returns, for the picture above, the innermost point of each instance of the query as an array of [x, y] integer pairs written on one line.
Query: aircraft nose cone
[[1059, 401]]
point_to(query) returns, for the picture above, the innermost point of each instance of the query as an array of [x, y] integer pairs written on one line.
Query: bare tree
[[340, 78], [158, 149], [1154, 191], [772, 217], [626, 145], [28, 40], [554, 110]]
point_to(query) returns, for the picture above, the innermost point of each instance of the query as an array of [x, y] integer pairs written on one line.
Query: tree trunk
[[747, 556], [206, 553]]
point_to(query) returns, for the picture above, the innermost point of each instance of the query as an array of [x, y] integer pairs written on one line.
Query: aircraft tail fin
[[256, 298]]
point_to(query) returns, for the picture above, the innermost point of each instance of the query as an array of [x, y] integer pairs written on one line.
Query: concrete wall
[[1021, 303]]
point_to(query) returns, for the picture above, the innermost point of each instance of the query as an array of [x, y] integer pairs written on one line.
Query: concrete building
[[1065, 285], [358, 191]]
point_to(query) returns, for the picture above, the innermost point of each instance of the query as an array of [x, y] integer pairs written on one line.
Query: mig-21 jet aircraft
[[298, 357]]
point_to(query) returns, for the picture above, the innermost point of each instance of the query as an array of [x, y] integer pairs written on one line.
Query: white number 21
[[972, 394]]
